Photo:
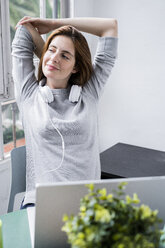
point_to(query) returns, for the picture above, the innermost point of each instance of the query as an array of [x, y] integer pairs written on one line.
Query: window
[[13, 135], [6, 90], [11, 11]]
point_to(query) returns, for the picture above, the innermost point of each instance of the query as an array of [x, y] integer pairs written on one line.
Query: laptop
[[55, 200]]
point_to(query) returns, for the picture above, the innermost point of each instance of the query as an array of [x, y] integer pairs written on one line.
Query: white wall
[[132, 109]]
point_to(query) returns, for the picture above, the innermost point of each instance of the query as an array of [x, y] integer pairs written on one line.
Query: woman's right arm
[[37, 39], [23, 69]]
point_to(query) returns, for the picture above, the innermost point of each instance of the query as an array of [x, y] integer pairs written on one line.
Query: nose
[[55, 57]]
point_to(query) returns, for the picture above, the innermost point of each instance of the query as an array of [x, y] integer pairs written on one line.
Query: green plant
[[112, 220]]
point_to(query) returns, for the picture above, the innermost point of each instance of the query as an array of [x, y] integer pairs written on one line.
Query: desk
[[124, 161], [15, 230]]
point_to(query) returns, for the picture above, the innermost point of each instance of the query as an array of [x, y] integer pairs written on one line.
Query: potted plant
[[112, 220]]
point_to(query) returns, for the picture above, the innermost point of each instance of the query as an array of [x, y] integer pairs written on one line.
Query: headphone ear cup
[[47, 94], [75, 93]]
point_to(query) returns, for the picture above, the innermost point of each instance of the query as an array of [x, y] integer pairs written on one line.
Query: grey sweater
[[77, 122]]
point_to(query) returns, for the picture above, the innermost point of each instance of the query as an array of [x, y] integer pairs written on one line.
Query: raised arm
[[37, 39], [97, 26]]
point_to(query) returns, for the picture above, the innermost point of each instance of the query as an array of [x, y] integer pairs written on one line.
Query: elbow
[[115, 24], [112, 28]]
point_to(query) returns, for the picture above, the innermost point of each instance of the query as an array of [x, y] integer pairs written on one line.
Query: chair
[[18, 178]]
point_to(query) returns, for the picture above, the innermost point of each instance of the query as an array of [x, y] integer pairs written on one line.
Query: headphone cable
[[63, 144]]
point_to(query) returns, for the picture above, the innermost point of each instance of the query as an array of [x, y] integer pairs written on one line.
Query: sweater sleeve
[[103, 63], [23, 69]]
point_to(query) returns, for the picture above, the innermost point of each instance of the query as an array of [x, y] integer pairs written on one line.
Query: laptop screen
[[55, 200]]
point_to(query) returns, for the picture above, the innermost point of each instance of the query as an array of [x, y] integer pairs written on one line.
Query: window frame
[[5, 70]]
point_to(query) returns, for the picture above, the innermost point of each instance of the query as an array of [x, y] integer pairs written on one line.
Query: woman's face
[[59, 62]]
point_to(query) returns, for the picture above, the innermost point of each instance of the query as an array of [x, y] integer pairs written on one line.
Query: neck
[[56, 85]]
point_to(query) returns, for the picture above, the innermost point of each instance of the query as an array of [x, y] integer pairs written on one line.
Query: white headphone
[[75, 93], [48, 97]]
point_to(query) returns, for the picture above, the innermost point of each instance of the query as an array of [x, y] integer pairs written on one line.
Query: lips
[[51, 67]]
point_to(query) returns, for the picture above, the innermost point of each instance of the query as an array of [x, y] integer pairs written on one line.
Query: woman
[[59, 110]]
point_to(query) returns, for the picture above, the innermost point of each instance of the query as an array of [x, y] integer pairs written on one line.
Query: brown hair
[[83, 60]]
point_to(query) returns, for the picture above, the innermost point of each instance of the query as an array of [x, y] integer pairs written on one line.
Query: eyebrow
[[64, 51]]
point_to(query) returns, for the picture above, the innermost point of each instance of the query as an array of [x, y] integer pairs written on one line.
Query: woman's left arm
[[101, 27], [97, 26]]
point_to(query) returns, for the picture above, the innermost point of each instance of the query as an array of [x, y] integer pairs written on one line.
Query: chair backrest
[[18, 178]]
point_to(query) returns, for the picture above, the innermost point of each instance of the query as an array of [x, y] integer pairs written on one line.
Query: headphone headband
[[48, 97]]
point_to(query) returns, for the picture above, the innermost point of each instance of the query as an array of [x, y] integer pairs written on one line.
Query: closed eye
[[65, 57], [50, 49]]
